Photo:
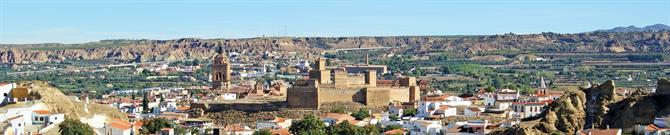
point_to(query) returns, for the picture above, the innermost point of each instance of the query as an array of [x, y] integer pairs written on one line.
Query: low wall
[[245, 107]]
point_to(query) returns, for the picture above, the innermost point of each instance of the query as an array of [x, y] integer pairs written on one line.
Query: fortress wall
[[377, 96], [357, 80], [303, 97], [245, 107], [341, 94], [401, 94]]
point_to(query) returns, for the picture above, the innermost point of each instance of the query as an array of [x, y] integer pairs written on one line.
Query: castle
[[335, 85]]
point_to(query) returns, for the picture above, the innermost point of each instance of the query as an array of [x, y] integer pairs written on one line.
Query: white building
[[17, 125], [423, 127], [275, 123], [440, 105], [527, 109], [473, 111], [5, 89]]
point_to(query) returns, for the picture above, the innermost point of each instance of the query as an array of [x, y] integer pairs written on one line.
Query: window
[[36, 118]]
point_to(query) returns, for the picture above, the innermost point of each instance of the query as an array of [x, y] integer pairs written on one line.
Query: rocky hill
[[203, 48], [60, 103], [564, 115], [605, 108]]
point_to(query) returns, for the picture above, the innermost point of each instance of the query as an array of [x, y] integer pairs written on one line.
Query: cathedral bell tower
[[220, 72]]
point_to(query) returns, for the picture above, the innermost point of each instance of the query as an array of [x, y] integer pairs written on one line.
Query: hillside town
[[392, 103]]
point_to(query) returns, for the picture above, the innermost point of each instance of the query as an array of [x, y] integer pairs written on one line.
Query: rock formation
[[565, 115], [600, 96], [599, 107], [639, 108]]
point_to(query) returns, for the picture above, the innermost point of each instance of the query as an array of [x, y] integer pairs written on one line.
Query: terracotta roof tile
[[41, 111]]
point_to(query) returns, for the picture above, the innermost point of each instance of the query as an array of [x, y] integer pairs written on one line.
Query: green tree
[[262, 132], [309, 125], [346, 128], [490, 89], [392, 127], [361, 114], [498, 82], [74, 127], [409, 112], [154, 125], [372, 129], [394, 117], [145, 102]]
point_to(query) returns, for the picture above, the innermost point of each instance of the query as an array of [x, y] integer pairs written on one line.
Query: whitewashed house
[[473, 111], [6, 89], [422, 127], [527, 109]]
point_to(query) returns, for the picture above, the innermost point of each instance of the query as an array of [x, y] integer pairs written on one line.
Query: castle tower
[[371, 78], [320, 73], [220, 72], [341, 79], [321, 64]]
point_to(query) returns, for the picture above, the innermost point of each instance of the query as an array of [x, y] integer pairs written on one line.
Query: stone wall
[[245, 107], [356, 80], [303, 97], [377, 96], [341, 94]]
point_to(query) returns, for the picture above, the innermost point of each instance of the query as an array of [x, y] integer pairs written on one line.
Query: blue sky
[[78, 21]]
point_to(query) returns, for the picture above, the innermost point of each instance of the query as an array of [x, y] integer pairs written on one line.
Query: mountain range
[[632, 28]]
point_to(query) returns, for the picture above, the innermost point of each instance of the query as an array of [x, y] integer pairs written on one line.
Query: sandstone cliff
[[204, 48], [600, 96], [564, 115], [599, 107], [639, 108]]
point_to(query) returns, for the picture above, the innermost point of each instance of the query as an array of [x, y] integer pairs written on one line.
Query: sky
[[80, 21]]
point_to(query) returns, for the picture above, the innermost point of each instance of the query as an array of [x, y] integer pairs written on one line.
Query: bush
[[74, 127], [361, 114], [154, 125]]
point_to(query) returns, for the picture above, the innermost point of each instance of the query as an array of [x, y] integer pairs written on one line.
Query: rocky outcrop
[[565, 116], [663, 87], [600, 96], [189, 48], [598, 107], [639, 108]]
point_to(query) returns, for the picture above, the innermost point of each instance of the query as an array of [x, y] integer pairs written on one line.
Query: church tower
[[220, 72]]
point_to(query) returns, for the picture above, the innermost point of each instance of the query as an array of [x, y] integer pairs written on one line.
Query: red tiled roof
[[602, 131], [183, 108], [529, 103], [120, 124], [41, 111], [283, 131], [339, 117], [651, 127], [474, 109], [443, 107], [395, 131]]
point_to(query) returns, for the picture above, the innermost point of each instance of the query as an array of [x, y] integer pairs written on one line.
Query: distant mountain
[[652, 28]]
